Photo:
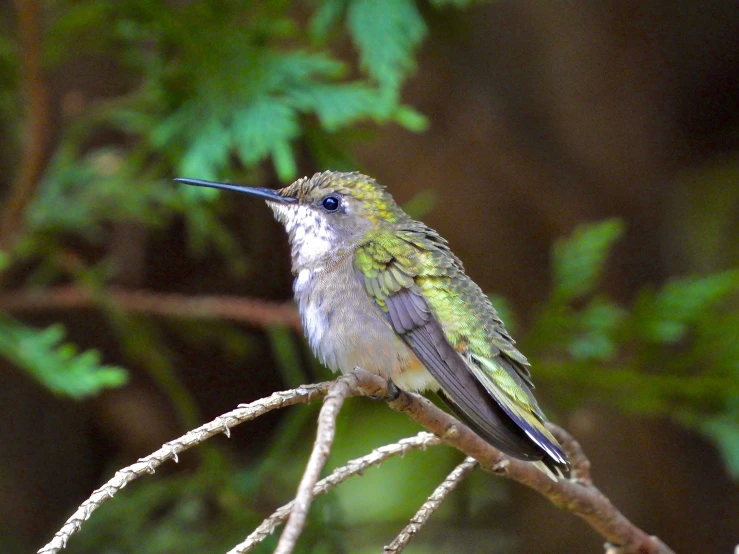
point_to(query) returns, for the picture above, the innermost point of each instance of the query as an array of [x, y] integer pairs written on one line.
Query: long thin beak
[[268, 194]]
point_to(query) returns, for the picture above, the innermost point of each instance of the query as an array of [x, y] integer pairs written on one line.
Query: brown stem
[[578, 461], [259, 313], [38, 123], [428, 508], [577, 497], [338, 476], [170, 450], [341, 389]]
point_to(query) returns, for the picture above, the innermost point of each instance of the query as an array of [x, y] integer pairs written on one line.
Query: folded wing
[[416, 281]]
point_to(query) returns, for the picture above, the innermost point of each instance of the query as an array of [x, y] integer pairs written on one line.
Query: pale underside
[[343, 326], [345, 329]]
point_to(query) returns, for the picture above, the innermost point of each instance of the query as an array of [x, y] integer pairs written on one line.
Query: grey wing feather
[[412, 320]]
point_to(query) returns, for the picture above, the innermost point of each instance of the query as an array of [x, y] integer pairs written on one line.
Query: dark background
[[543, 116]]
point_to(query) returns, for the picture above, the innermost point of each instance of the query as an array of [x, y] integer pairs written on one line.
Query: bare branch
[[170, 450], [428, 508], [338, 476], [233, 308], [38, 122], [576, 497], [341, 389]]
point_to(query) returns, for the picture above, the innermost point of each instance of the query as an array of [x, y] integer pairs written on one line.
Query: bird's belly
[[345, 331]]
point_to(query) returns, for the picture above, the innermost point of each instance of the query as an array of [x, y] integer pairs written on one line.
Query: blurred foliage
[[215, 88], [219, 89], [57, 366], [224, 89], [673, 352]]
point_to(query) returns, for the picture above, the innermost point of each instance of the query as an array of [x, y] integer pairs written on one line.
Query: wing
[[420, 288]]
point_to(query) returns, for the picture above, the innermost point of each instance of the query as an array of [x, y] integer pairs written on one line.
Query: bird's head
[[326, 215]]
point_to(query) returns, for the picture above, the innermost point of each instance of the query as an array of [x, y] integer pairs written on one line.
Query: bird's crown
[[376, 204]]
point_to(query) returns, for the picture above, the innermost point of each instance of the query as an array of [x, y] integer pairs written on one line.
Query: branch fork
[[577, 495]]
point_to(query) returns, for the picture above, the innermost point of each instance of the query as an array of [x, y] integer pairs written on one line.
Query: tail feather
[[496, 428], [550, 470], [528, 418], [504, 434], [473, 395]]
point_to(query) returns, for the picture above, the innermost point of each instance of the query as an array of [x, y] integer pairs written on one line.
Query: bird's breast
[[345, 330]]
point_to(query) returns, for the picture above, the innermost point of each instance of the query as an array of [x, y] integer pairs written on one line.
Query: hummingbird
[[378, 290]]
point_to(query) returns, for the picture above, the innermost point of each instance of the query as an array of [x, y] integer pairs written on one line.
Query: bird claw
[[393, 392]]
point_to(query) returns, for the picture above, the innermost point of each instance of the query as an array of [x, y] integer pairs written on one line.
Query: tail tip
[[555, 470]]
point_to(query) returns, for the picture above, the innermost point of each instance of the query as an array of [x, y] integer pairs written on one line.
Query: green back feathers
[[418, 258]]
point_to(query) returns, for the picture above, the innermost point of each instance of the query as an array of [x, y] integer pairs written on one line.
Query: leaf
[[665, 316], [72, 30], [287, 356], [285, 71], [596, 338], [57, 365], [717, 340], [407, 117], [578, 260], [421, 203], [340, 105], [208, 153], [284, 160], [330, 149], [80, 194], [725, 432], [386, 33], [267, 127], [326, 18]]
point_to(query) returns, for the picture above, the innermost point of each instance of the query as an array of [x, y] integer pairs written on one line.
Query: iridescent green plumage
[[415, 260], [379, 290]]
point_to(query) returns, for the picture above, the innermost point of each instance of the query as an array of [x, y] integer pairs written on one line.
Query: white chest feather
[[315, 320], [343, 326], [345, 330], [311, 238]]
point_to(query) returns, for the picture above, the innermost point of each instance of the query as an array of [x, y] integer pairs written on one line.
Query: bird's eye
[[331, 203]]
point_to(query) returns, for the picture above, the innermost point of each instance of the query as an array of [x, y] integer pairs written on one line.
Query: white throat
[[311, 238]]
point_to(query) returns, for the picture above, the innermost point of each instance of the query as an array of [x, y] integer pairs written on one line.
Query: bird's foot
[[393, 392]]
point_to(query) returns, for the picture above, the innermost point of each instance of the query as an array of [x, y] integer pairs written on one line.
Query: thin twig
[[578, 498], [38, 121], [578, 461], [337, 476], [170, 450], [260, 313], [341, 389], [428, 508]]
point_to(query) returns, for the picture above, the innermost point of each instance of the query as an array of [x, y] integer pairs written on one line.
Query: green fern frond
[[58, 366]]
